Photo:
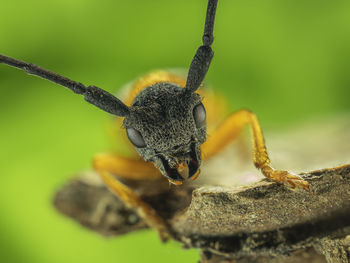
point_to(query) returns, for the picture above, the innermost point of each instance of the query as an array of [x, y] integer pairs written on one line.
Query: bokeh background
[[288, 61]]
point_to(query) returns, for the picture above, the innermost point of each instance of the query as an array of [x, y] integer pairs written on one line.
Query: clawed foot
[[291, 180]]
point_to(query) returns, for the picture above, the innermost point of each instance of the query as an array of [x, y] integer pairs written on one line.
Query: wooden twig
[[261, 222]]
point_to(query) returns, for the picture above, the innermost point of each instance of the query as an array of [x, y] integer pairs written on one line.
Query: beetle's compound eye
[[199, 115], [135, 137]]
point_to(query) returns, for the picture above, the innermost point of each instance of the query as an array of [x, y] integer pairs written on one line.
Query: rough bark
[[260, 222]]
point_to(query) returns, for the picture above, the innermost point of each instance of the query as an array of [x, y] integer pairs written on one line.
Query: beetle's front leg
[[107, 166], [229, 130]]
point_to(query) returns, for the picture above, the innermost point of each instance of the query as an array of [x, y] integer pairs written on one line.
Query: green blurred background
[[286, 60]]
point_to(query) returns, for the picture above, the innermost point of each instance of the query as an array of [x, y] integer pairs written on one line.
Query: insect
[[166, 120]]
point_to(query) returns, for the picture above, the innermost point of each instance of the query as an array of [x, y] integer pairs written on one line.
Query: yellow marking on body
[[215, 106], [151, 79]]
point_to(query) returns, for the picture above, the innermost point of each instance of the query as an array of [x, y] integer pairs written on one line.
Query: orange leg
[[230, 129], [106, 165]]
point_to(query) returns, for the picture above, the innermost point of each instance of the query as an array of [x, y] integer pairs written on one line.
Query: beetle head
[[167, 125]]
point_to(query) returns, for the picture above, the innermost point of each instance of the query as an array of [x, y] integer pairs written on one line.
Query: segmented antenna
[[94, 95], [109, 103], [201, 60]]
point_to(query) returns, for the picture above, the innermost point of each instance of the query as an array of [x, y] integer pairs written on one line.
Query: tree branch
[[231, 224], [262, 220]]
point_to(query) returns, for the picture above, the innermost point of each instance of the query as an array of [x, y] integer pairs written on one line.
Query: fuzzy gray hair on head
[[164, 117]]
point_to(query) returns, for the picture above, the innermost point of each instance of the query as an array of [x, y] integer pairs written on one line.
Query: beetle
[[165, 118]]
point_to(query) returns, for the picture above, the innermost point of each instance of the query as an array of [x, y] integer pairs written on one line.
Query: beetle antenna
[[94, 95], [201, 60]]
